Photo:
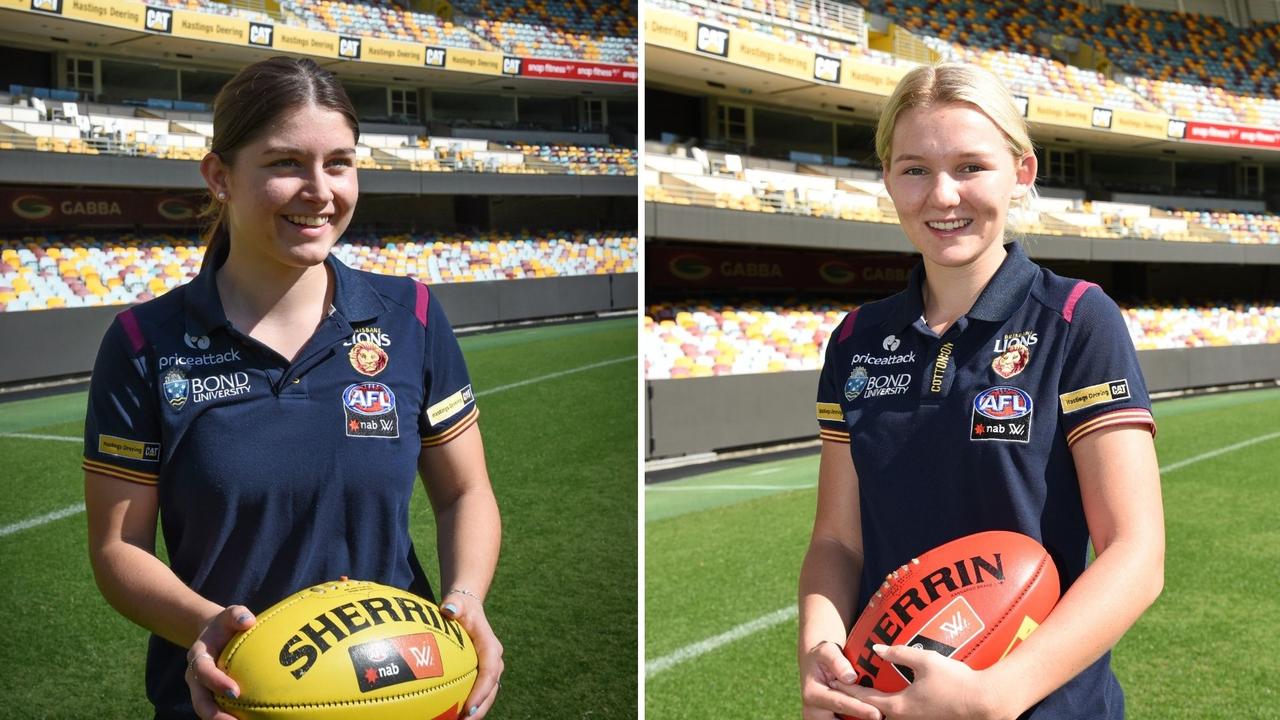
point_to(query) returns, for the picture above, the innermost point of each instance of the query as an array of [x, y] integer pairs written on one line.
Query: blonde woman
[[991, 394]]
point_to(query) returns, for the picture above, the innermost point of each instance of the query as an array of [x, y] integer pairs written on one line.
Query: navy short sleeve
[[831, 424], [122, 435], [1101, 383], [450, 406]]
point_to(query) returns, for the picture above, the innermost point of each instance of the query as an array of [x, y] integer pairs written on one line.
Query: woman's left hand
[[469, 613], [943, 688]]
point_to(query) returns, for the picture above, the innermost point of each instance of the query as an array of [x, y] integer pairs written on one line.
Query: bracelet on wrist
[[468, 593]]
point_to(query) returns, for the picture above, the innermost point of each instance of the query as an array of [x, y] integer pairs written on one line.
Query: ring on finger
[[191, 664]]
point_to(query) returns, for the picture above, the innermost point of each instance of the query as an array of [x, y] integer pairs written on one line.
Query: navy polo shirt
[[275, 475], [972, 431]]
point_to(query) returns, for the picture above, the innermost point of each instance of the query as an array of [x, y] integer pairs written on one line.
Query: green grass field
[[558, 411], [723, 551]]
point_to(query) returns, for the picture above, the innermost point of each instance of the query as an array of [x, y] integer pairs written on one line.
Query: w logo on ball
[[956, 625], [947, 632]]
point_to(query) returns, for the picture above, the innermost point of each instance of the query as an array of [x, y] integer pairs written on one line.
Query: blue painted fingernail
[[454, 610], [242, 618], [231, 694], [473, 710]]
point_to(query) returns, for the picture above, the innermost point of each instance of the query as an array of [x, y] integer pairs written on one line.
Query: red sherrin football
[[972, 599]]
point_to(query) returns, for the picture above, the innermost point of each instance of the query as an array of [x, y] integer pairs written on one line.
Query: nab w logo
[[713, 40], [51, 6], [1177, 129], [159, 20], [349, 48], [826, 68], [1102, 117], [260, 34], [956, 625], [511, 66], [435, 57], [422, 655]]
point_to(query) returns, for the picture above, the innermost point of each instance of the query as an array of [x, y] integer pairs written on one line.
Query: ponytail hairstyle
[[249, 104]]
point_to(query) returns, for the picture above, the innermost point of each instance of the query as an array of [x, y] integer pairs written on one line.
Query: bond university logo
[[856, 383], [176, 388]]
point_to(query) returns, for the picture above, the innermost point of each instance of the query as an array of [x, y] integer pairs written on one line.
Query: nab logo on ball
[[370, 411], [1002, 413], [381, 663]]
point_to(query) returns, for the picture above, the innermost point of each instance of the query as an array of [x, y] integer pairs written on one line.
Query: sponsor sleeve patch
[[830, 411], [1099, 394], [449, 406], [126, 448]]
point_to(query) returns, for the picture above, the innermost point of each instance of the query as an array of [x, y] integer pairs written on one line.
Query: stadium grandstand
[[498, 152], [1157, 131]]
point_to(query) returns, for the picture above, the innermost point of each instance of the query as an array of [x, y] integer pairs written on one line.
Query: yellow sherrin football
[[349, 650]]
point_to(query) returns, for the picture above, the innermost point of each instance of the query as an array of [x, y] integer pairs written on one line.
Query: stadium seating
[[93, 129], [809, 190], [40, 272], [380, 19], [702, 339]]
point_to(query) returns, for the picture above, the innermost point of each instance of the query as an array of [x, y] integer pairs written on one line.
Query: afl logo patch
[[370, 410], [1012, 361], [856, 383], [367, 358], [176, 388], [1001, 413]]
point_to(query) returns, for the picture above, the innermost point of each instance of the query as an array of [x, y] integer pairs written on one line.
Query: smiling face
[[291, 192], [952, 177]]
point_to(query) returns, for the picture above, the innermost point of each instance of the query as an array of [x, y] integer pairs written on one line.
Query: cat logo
[[52, 6], [435, 57], [826, 69], [510, 66], [158, 20], [1102, 117], [349, 48], [1177, 129], [1023, 104], [713, 40], [260, 34]]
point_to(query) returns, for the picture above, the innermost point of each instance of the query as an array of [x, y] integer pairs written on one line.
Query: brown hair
[[254, 99]]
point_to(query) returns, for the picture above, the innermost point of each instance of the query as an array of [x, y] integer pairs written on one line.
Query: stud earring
[[222, 197]]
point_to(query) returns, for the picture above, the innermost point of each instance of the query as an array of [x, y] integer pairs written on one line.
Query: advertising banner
[[703, 268], [577, 70], [1224, 134], [73, 209]]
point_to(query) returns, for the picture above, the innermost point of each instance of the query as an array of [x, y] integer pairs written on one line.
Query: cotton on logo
[[891, 343]]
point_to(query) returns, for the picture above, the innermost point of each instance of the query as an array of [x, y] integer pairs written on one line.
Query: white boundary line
[[46, 518], [689, 652], [31, 436], [695, 488], [79, 508]]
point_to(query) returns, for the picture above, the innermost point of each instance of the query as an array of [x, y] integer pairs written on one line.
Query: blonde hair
[[932, 85]]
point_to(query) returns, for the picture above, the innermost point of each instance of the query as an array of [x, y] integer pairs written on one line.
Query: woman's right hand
[[203, 676], [821, 666]]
